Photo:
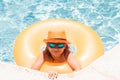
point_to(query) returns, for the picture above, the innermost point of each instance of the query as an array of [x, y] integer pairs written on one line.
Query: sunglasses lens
[[52, 45], [61, 45]]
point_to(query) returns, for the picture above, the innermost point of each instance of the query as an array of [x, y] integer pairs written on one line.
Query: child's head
[[56, 43]]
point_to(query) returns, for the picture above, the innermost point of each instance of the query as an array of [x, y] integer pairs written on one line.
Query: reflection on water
[[101, 15]]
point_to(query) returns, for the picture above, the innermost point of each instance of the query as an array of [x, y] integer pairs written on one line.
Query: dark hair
[[47, 54]]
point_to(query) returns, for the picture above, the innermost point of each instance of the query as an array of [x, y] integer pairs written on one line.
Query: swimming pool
[[15, 15]]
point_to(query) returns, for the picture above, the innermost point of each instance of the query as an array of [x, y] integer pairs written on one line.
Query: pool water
[[103, 16]]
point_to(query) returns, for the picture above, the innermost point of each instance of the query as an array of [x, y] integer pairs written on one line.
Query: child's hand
[[52, 75]]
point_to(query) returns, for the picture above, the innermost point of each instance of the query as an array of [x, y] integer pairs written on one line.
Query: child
[[57, 50]]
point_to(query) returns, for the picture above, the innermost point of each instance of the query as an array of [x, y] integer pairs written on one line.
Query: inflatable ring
[[30, 41]]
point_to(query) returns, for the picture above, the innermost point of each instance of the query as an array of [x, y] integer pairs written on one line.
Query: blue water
[[101, 15]]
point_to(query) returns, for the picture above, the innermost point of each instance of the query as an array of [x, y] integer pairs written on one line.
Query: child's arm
[[73, 62], [39, 61]]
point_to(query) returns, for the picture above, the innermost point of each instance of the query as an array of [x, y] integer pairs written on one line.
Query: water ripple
[[101, 15]]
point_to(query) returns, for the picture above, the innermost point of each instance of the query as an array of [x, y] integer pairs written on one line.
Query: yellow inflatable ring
[[28, 44]]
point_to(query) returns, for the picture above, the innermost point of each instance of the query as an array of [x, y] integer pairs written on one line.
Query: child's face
[[56, 49]]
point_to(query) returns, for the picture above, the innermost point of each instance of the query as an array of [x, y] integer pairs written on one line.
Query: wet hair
[[48, 56]]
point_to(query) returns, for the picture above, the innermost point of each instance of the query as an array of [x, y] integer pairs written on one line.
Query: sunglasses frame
[[56, 45]]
